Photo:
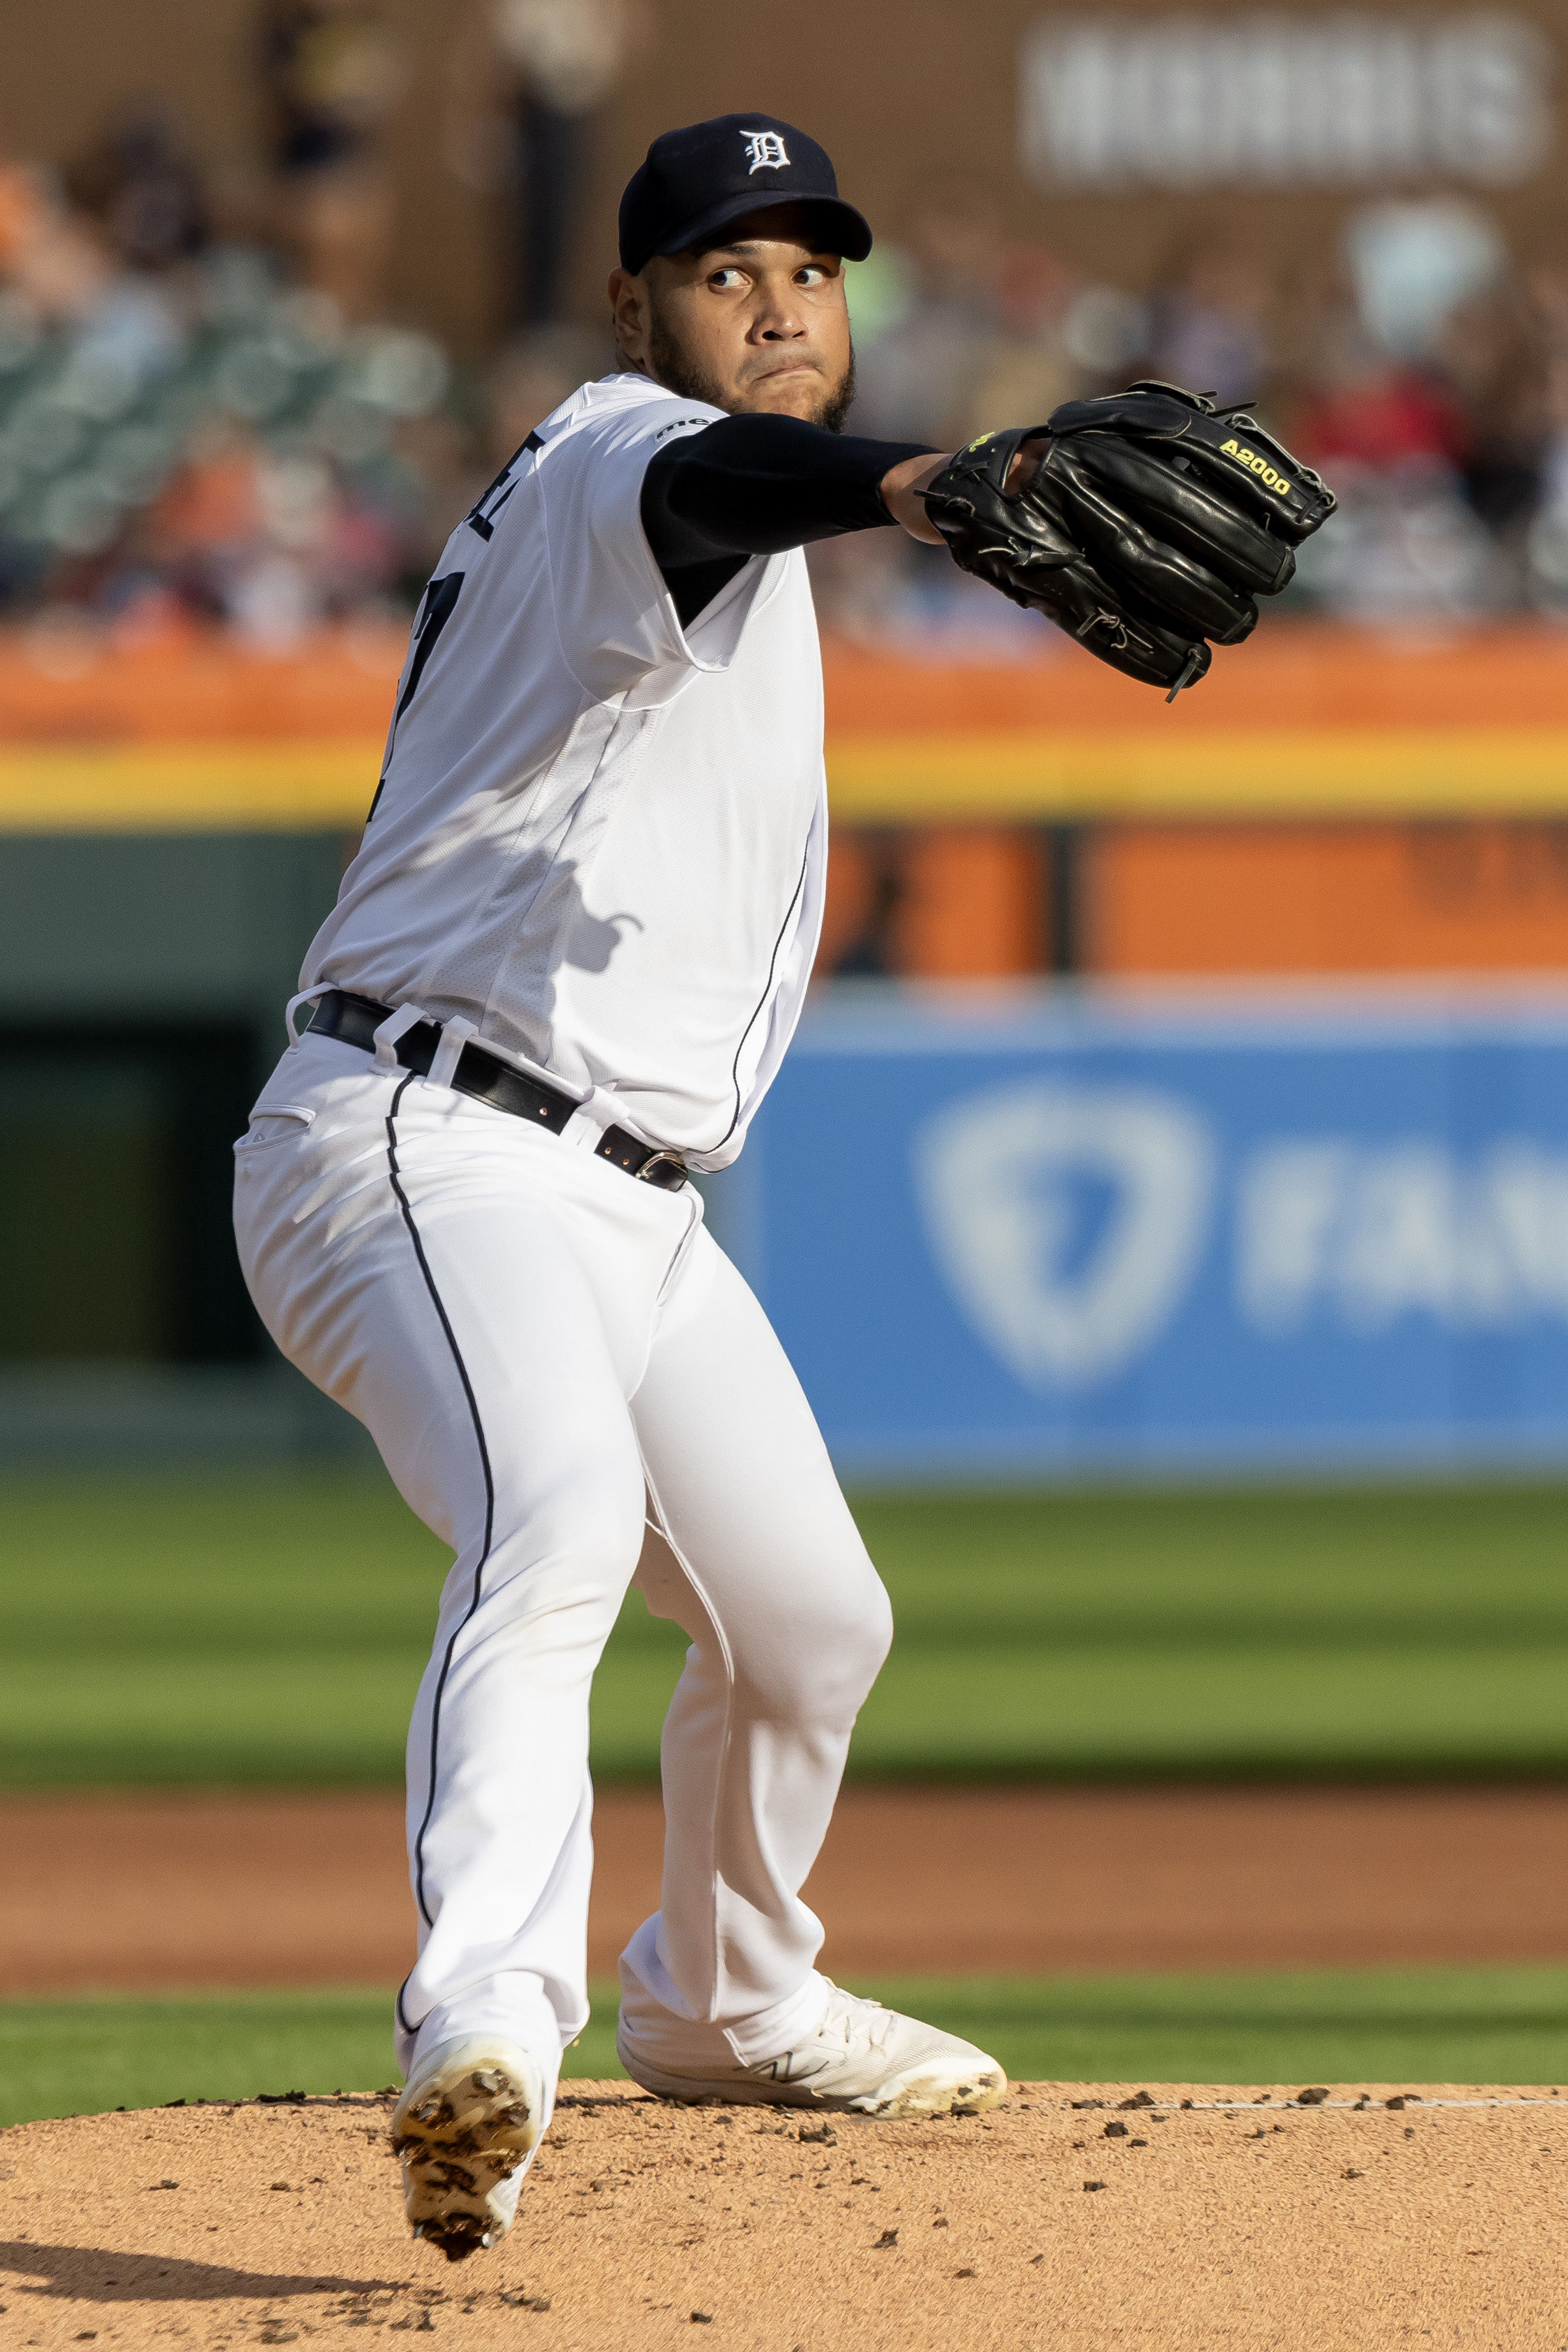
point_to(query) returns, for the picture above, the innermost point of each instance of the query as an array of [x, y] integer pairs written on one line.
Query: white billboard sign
[[1194, 102]]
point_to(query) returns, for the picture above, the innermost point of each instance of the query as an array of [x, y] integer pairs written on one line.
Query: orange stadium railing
[[1310, 721]]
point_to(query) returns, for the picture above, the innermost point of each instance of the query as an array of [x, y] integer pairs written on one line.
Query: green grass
[[1404, 2026], [84, 2056], [271, 1629]]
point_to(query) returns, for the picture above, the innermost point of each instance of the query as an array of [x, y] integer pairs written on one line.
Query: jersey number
[[482, 516], [440, 603]]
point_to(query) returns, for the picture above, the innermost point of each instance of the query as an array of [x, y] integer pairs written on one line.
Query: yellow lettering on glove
[[1261, 466]]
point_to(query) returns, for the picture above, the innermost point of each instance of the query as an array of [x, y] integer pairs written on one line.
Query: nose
[[776, 321]]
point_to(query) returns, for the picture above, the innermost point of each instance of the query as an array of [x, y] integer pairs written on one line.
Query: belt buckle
[[657, 1159]]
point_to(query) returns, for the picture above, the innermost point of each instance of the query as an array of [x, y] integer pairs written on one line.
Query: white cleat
[[471, 2115], [862, 2060]]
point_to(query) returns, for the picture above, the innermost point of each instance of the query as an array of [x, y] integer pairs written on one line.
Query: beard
[[678, 374]]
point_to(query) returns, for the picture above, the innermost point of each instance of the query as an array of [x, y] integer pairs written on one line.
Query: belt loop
[[306, 996], [395, 1026], [455, 1035], [587, 1123]]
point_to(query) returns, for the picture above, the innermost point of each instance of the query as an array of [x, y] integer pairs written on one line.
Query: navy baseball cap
[[695, 181]]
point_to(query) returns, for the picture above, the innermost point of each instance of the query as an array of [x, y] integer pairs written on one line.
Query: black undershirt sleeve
[[755, 486]]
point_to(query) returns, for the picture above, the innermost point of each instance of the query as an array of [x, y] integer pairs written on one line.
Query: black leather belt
[[488, 1079]]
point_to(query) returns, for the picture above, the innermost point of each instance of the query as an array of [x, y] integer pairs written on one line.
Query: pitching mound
[[1084, 2216]]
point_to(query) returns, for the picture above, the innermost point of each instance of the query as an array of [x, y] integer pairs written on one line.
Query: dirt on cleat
[[463, 2133], [453, 2240]]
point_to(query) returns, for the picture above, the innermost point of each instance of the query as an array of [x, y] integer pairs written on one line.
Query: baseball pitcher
[[560, 974]]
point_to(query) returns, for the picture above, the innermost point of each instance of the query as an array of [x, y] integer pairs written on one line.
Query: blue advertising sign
[[1041, 1235]]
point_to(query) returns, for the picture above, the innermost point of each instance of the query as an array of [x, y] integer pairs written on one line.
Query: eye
[[814, 274], [725, 281]]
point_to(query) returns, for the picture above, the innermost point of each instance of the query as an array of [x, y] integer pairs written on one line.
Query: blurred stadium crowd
[[1422, 370], [206, 416]]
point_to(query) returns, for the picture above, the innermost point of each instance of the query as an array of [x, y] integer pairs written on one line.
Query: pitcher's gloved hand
[[1146, 530]]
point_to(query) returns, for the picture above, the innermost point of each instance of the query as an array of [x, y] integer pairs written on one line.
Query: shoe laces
[[849, 2018]]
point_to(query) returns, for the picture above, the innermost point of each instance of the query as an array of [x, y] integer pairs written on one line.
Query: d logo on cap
[[765, 151]]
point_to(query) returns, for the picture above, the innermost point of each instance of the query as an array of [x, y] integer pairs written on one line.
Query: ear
[[630, 309]]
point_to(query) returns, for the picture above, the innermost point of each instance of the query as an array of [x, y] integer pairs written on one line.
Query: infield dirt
[[154, 1893], [1082, 2226]]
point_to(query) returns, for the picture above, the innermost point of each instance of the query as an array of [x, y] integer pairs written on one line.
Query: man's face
[[756, 325]]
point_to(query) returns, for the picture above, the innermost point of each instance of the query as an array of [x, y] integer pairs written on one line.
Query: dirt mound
[[1089, 2217]]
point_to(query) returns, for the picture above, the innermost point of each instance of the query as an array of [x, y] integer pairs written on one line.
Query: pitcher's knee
[[876, 1626], [824, 1649]]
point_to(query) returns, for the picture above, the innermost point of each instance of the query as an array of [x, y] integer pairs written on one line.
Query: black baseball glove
[[1152, 523]]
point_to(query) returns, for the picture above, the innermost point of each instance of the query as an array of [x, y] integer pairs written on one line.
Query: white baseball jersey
[[599, 837]]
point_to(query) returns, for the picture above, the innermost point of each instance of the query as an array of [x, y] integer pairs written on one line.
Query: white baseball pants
[[547, 1353]]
